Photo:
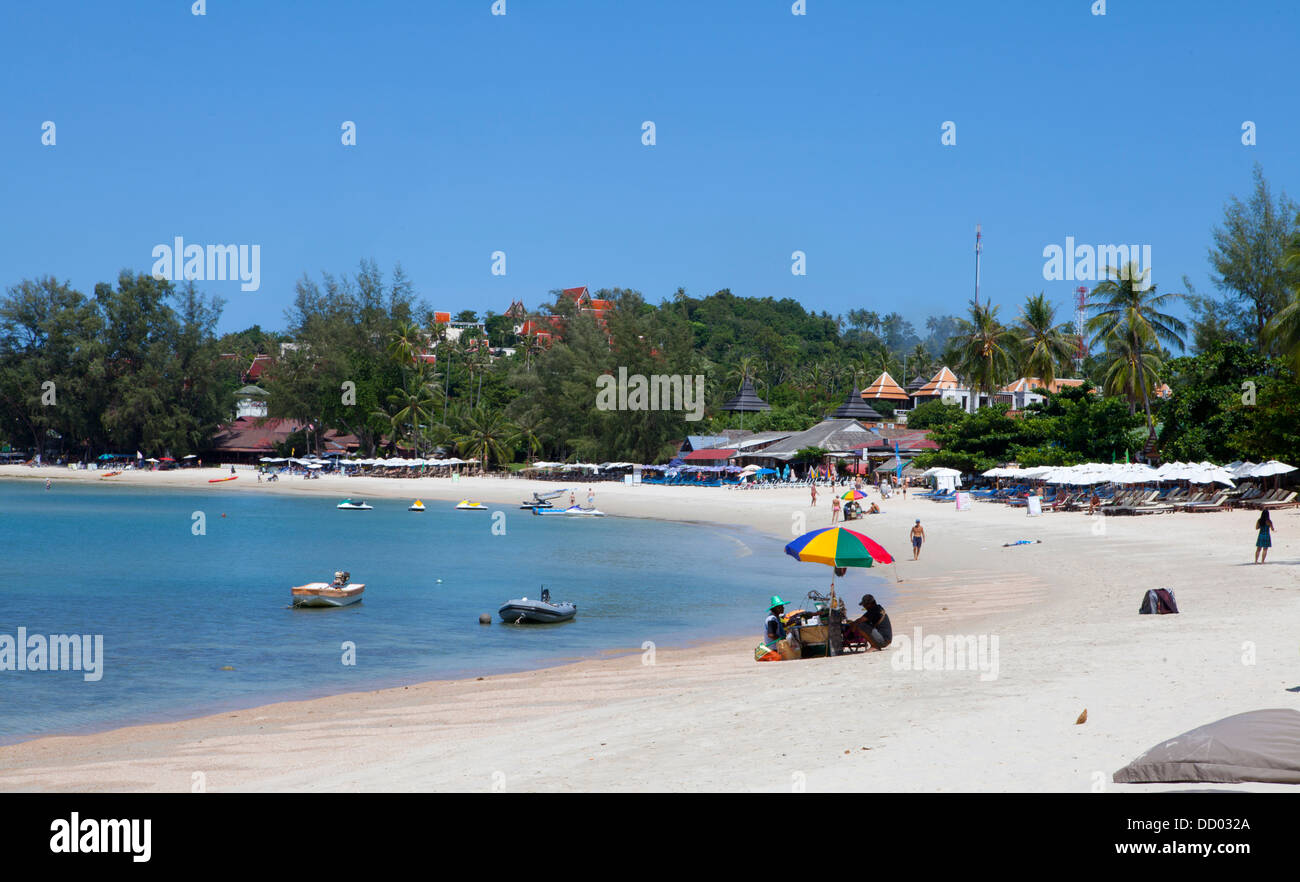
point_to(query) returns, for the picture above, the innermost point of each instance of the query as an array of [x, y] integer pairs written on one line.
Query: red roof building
[[709, 455], [249, 438]]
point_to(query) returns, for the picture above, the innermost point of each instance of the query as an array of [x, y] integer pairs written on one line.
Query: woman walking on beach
[[1264, 541], [835, 509], [814, 495]]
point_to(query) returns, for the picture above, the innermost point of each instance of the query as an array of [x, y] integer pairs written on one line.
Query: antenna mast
[[978, 248], [1080, 316]]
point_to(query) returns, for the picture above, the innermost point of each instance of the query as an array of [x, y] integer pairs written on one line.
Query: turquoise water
[[174, 608]]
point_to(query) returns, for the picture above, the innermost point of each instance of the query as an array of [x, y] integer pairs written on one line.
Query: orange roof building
[[939, 383], [1029, 384], [885, 387]]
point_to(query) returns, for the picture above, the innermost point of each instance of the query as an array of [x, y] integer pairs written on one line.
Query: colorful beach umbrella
[[838, 547], [854, 494]]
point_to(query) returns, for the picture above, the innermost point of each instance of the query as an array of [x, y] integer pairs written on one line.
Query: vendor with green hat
[[775, 625]]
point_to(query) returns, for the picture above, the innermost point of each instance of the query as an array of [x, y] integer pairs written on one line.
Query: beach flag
[[898, 461], [1126, 456]]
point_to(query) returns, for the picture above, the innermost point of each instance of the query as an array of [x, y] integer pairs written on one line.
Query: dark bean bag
[[1262, 745]]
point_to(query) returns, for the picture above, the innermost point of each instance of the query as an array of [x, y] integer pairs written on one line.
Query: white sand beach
[[708, 718]]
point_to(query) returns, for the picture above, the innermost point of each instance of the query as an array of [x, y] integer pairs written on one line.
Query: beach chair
[[1215, 504], [1285, 500], [1262, 499]]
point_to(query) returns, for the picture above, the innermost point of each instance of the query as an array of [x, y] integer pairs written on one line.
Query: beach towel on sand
[[1158, 601]]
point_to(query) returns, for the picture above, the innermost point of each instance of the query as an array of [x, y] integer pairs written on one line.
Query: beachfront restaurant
[[836, 436]]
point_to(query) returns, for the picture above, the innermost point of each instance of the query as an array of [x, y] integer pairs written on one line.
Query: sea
[[189, 593]]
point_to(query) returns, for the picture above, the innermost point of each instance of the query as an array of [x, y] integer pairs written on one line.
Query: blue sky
[[522, 133]]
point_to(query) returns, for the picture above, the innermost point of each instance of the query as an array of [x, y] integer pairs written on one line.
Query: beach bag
[[763, 652], [1158, 601]]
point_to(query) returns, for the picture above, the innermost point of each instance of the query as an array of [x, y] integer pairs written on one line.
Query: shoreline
[[490, 489], [709, 718]]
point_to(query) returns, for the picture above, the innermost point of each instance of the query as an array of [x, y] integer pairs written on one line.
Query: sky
[[523, 133]]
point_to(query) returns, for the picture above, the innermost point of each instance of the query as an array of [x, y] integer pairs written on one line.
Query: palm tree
[[485, 435], [406, 342], [1127, 305], [1129, 370], [410, 408], [1283, 329], [918, 361], [746, 369], [1045, 344], [984, 351], [525, 435]]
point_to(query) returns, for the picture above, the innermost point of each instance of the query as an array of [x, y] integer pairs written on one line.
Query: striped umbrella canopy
[[838, 547], [854, 494]]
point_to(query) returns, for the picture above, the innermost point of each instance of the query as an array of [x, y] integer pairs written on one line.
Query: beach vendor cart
[[820, 631], [838, 548]]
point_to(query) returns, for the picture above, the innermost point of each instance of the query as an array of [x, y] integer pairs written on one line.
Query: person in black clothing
[[873, 624]]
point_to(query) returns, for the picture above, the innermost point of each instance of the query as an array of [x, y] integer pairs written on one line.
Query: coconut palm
[[1127, 305], [746, 368], [406, 342], [485, 435], [410, 408], [1045, 345], [1283, 329], [984, 351], [525, 434], [1129, 369]]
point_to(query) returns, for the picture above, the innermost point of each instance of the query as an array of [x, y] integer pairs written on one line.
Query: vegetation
[[138, 365]]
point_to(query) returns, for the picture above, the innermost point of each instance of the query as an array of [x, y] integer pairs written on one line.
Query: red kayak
[[219, 480]]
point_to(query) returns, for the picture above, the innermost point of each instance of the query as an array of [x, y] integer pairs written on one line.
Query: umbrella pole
[[831, 623]]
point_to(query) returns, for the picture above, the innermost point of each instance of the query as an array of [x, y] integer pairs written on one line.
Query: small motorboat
[[573, 511], [359, 505], [416, 506], [537, 612], [341, 592], [466, 505]]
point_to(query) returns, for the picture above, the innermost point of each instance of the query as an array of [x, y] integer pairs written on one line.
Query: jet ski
[[573, 511], [537, 612], [349, 505], [466, 505]]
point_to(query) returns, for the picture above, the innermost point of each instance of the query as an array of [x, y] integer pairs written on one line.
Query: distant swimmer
[[48, 485]]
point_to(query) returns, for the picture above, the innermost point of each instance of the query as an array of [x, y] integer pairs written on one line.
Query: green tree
[[1247, 257], [1044, 344], [984, 351], [486, 436], [1127, 306]]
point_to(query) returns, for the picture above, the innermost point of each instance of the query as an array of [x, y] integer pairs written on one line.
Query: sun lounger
[[1218, 503], [1285, 501]]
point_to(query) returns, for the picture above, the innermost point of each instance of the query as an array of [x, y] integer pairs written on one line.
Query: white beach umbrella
[[1217, 476], [1270, 468]]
